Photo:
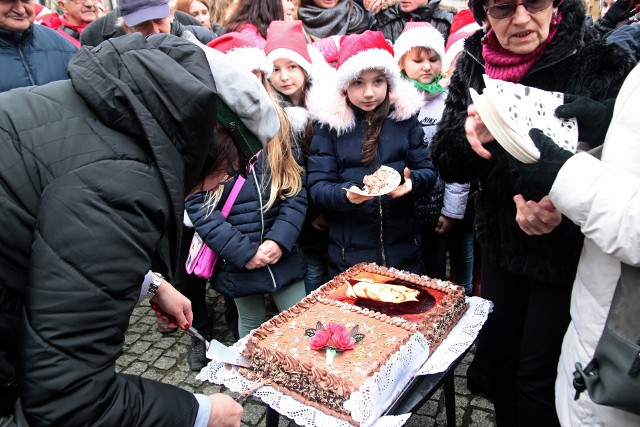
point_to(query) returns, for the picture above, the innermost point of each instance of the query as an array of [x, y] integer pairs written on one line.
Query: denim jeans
[[459, 244], [317, 271]]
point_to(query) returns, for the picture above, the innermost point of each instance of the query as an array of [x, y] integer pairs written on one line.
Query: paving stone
[[165, 363]]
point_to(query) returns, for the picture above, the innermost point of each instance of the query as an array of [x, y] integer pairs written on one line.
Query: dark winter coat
[[35, 57], [236, 238], [107, 27], [391, 21], [93, 172], [383, 230], [577, 62]]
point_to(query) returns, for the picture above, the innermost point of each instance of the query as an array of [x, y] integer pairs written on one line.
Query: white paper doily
[[460, 338], [380, 390]]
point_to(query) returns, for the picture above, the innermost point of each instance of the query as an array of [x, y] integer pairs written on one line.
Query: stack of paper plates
[[510, 110]]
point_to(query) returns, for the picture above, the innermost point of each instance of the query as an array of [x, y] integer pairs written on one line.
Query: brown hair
[[256, 12], [220, 10], [374, 120]]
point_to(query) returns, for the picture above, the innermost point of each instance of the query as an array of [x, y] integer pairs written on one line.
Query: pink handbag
[[202, 260]]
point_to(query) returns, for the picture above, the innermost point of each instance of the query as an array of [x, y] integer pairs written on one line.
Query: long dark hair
[[374, 120], [257, 12]]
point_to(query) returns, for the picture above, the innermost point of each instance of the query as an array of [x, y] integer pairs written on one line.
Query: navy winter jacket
[[383, 230], [236, 238], [34, 57]]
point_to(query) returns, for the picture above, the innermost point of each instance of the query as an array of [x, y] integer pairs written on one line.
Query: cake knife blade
[[218, 351], [215, 349]]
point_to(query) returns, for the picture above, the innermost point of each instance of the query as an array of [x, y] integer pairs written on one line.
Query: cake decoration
[[333, 338]]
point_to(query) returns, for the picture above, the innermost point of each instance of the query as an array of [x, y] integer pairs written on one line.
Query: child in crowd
[[257, 241], [324, 18], [365, 119], [294, 64], [420, 52]]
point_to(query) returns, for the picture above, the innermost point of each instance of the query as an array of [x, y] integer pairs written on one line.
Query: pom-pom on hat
[[419, 34], [243, 51], [366, 51], [285, 39]]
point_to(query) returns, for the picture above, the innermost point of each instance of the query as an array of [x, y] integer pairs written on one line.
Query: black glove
[[535, 179], [618, 12], [593, 117]]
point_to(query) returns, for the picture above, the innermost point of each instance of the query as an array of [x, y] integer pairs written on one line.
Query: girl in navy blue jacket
[[256, 243], [365, 118]]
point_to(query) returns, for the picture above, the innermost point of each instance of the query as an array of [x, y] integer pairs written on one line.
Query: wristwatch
[[155, 283]]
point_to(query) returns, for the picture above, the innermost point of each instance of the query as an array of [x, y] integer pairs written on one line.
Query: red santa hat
[[243, 51], [419, 34], [285, 39], [366, 51], [462, 26]]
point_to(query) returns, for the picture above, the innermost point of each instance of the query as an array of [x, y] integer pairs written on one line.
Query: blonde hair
[[285, 172], [286, 179]]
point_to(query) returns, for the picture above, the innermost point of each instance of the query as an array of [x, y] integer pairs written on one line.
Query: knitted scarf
[[508, 66], [335, 21], [433, 87]]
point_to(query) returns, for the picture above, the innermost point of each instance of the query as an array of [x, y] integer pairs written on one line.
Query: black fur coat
[[578, 62]]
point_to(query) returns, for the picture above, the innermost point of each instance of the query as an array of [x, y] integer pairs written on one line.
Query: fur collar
[[328, 106]]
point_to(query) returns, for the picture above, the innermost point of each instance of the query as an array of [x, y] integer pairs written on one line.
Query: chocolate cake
[[329, 349]]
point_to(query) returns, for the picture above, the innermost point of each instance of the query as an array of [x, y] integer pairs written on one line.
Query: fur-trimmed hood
[[328, 105]]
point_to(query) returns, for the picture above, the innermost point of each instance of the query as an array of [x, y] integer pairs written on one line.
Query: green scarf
[[432, 87]]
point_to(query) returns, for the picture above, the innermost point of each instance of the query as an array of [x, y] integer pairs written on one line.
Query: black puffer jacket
[[391, 21], [92, 179], [575, 62]]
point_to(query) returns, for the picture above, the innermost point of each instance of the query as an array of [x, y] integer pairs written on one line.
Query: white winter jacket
[[603, 198]]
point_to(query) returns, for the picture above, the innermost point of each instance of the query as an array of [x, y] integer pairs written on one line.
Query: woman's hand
[[374, 5], [536, 218], [225, 412], [271, 250], [477, 132], [444, 224], [405, 188], [173, 303]]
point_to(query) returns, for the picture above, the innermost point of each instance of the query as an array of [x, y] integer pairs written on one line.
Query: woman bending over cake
[[365, 119]]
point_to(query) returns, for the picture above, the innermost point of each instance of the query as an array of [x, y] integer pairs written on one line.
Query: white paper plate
[[393, 181]]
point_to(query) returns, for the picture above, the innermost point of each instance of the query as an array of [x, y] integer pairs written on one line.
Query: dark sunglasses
[[506, 10]]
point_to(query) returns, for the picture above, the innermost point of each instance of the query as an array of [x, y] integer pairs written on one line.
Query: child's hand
[[444, 224], [259, 260], [271, 250], [356, 198], [404, 188]]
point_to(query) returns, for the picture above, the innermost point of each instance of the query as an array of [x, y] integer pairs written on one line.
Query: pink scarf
[[505, 65]]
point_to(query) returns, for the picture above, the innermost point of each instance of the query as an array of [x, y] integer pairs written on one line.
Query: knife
[[215, 349]]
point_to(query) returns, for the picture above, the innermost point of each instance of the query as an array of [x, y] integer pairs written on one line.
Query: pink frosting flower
[[343, 340], [334, 328], [320, 340]]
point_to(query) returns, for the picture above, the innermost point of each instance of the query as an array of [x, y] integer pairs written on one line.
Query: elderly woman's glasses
[[506, 10]]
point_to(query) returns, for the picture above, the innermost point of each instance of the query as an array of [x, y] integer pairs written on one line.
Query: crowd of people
[[131, 136]]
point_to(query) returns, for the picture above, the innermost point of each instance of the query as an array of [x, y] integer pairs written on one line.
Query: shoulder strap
[[236, 188]]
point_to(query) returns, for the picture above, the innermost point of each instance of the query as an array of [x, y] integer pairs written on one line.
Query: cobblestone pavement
[[163, 357]]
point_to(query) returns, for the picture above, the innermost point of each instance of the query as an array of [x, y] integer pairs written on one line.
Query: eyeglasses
[[506, 10]]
